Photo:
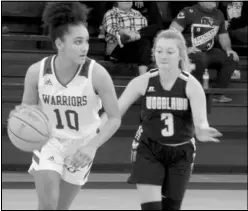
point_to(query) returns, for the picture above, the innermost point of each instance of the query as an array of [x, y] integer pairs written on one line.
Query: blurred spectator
[[236, 15], [155, 12], [200, 24], [118, 21], [159, 15], [177, 6]]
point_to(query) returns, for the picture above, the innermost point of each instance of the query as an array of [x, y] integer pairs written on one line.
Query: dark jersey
[[166, 115], [201, 27]]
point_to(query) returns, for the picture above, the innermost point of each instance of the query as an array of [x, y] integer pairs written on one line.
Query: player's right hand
[[18, 108], [206, 134]]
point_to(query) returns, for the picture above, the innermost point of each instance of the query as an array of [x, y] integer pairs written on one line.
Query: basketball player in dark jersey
[[69, 88], [173, 111]]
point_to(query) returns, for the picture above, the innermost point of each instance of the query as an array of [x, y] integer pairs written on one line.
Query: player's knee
[[171, 204], [156, 205]]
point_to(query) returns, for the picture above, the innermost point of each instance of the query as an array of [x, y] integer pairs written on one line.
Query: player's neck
[[167, 76], [65, 66]]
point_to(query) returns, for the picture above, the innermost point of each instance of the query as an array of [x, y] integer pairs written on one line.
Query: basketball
[[28, 128]]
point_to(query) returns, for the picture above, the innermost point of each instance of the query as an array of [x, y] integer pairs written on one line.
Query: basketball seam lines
[[20, 137], [46, 118], [30, 126], [33, 109]]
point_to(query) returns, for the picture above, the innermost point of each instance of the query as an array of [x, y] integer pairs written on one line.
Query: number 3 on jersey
[[169, 123], [69, 114]]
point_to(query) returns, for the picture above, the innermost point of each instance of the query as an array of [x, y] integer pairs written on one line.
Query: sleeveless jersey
[[72, 109], [166, 115]]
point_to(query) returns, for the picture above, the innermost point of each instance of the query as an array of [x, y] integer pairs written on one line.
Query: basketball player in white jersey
[[70, 89]]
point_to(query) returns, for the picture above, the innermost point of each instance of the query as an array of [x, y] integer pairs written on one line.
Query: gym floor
[[111, 192]]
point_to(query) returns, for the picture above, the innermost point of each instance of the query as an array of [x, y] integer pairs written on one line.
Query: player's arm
[[111, 119], [104, 87], [198, 104], [135, 89], [30, 94]]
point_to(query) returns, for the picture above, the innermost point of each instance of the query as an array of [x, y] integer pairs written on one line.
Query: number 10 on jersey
[[169, 124], [71, 119]]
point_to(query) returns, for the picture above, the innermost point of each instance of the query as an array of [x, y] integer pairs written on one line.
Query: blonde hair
[[185, 63]]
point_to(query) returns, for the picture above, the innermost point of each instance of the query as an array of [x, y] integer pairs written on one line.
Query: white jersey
[[72, 109]]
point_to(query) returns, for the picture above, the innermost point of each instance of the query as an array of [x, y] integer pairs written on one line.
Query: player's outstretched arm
[[198, 105], [104, 87], [111, 119]]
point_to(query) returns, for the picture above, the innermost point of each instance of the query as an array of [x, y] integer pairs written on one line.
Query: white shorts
[[51, 158]]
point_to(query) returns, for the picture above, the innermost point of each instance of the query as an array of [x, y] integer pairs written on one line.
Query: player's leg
[[150, 196], [47, 167], [71, 183], [68, 193], [177, 177], [47, 185], [148, 175]]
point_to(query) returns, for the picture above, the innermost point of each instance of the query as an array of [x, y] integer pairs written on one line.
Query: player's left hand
[[207, 134], [83, 156]]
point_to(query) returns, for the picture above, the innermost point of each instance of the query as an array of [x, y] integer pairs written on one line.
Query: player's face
[[76, 43], [167, 54]]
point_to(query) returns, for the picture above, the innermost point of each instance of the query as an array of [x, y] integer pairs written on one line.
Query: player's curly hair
[[58, 16]]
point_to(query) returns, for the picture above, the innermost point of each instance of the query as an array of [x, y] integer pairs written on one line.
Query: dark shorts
[[167, 166]]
